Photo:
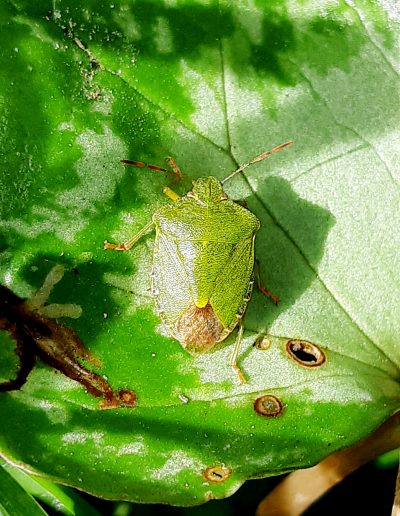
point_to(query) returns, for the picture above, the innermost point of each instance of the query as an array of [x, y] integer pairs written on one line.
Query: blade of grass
[[14, 500], [62, 499]]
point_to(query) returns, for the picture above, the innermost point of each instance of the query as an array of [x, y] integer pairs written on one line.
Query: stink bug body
[[203, 263]]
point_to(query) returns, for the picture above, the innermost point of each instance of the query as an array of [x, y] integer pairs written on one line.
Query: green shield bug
[[203, 263]]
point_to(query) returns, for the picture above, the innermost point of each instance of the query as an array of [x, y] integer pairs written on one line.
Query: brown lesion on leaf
[[38, 336], [263, 342], [199, 328], [268, 405], [217, 474]]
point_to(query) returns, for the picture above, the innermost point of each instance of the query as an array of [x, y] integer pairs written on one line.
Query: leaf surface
[[213, 85]]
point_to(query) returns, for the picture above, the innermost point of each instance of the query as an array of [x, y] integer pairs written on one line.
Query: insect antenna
[[258, 158], [141, 164]]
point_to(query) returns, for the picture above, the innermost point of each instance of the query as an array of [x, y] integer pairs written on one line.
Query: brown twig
[[299, 490]]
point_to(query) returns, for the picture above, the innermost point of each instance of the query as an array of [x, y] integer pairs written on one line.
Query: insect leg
[[261, 287], [177, 171], [131, 242], [235, 353]]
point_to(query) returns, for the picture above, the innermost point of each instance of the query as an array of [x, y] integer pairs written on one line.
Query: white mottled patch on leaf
[[243, 104], [178, 461], [98, 173], [97, 184], [82, 436], [341, 390], [133, 448], [162, 330], [66, 126], [103, 105], [54, 412]]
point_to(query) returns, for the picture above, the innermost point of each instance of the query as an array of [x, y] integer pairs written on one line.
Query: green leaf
[[213, 85], [14, 500], [62, 499]]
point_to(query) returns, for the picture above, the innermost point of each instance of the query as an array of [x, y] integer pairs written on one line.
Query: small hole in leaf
[[217, 474], [268, 405], [305, 353]]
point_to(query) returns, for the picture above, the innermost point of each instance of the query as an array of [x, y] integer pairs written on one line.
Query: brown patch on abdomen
[[199, 328]]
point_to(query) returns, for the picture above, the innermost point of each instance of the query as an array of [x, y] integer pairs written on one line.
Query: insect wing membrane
[[170, 284]]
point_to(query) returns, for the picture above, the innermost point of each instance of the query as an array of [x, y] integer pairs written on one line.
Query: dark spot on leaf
[[127, 397], [305, 353], [217, 474], [268, 405]]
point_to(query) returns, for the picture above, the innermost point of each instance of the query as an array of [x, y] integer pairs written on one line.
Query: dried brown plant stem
[[299, 490]]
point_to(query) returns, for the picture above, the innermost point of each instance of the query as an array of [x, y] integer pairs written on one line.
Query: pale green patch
[[208, 117], [343, 390], [56, 414], [8, 278], [137, 282], [195, 156], [162, 36], [253, 23], [66, 126], [343, 262], [39, 383], [97, 149], [127, 22]]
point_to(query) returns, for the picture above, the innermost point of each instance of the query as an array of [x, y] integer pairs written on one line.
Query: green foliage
[[84, 85], [14, 500], [63, 500]]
